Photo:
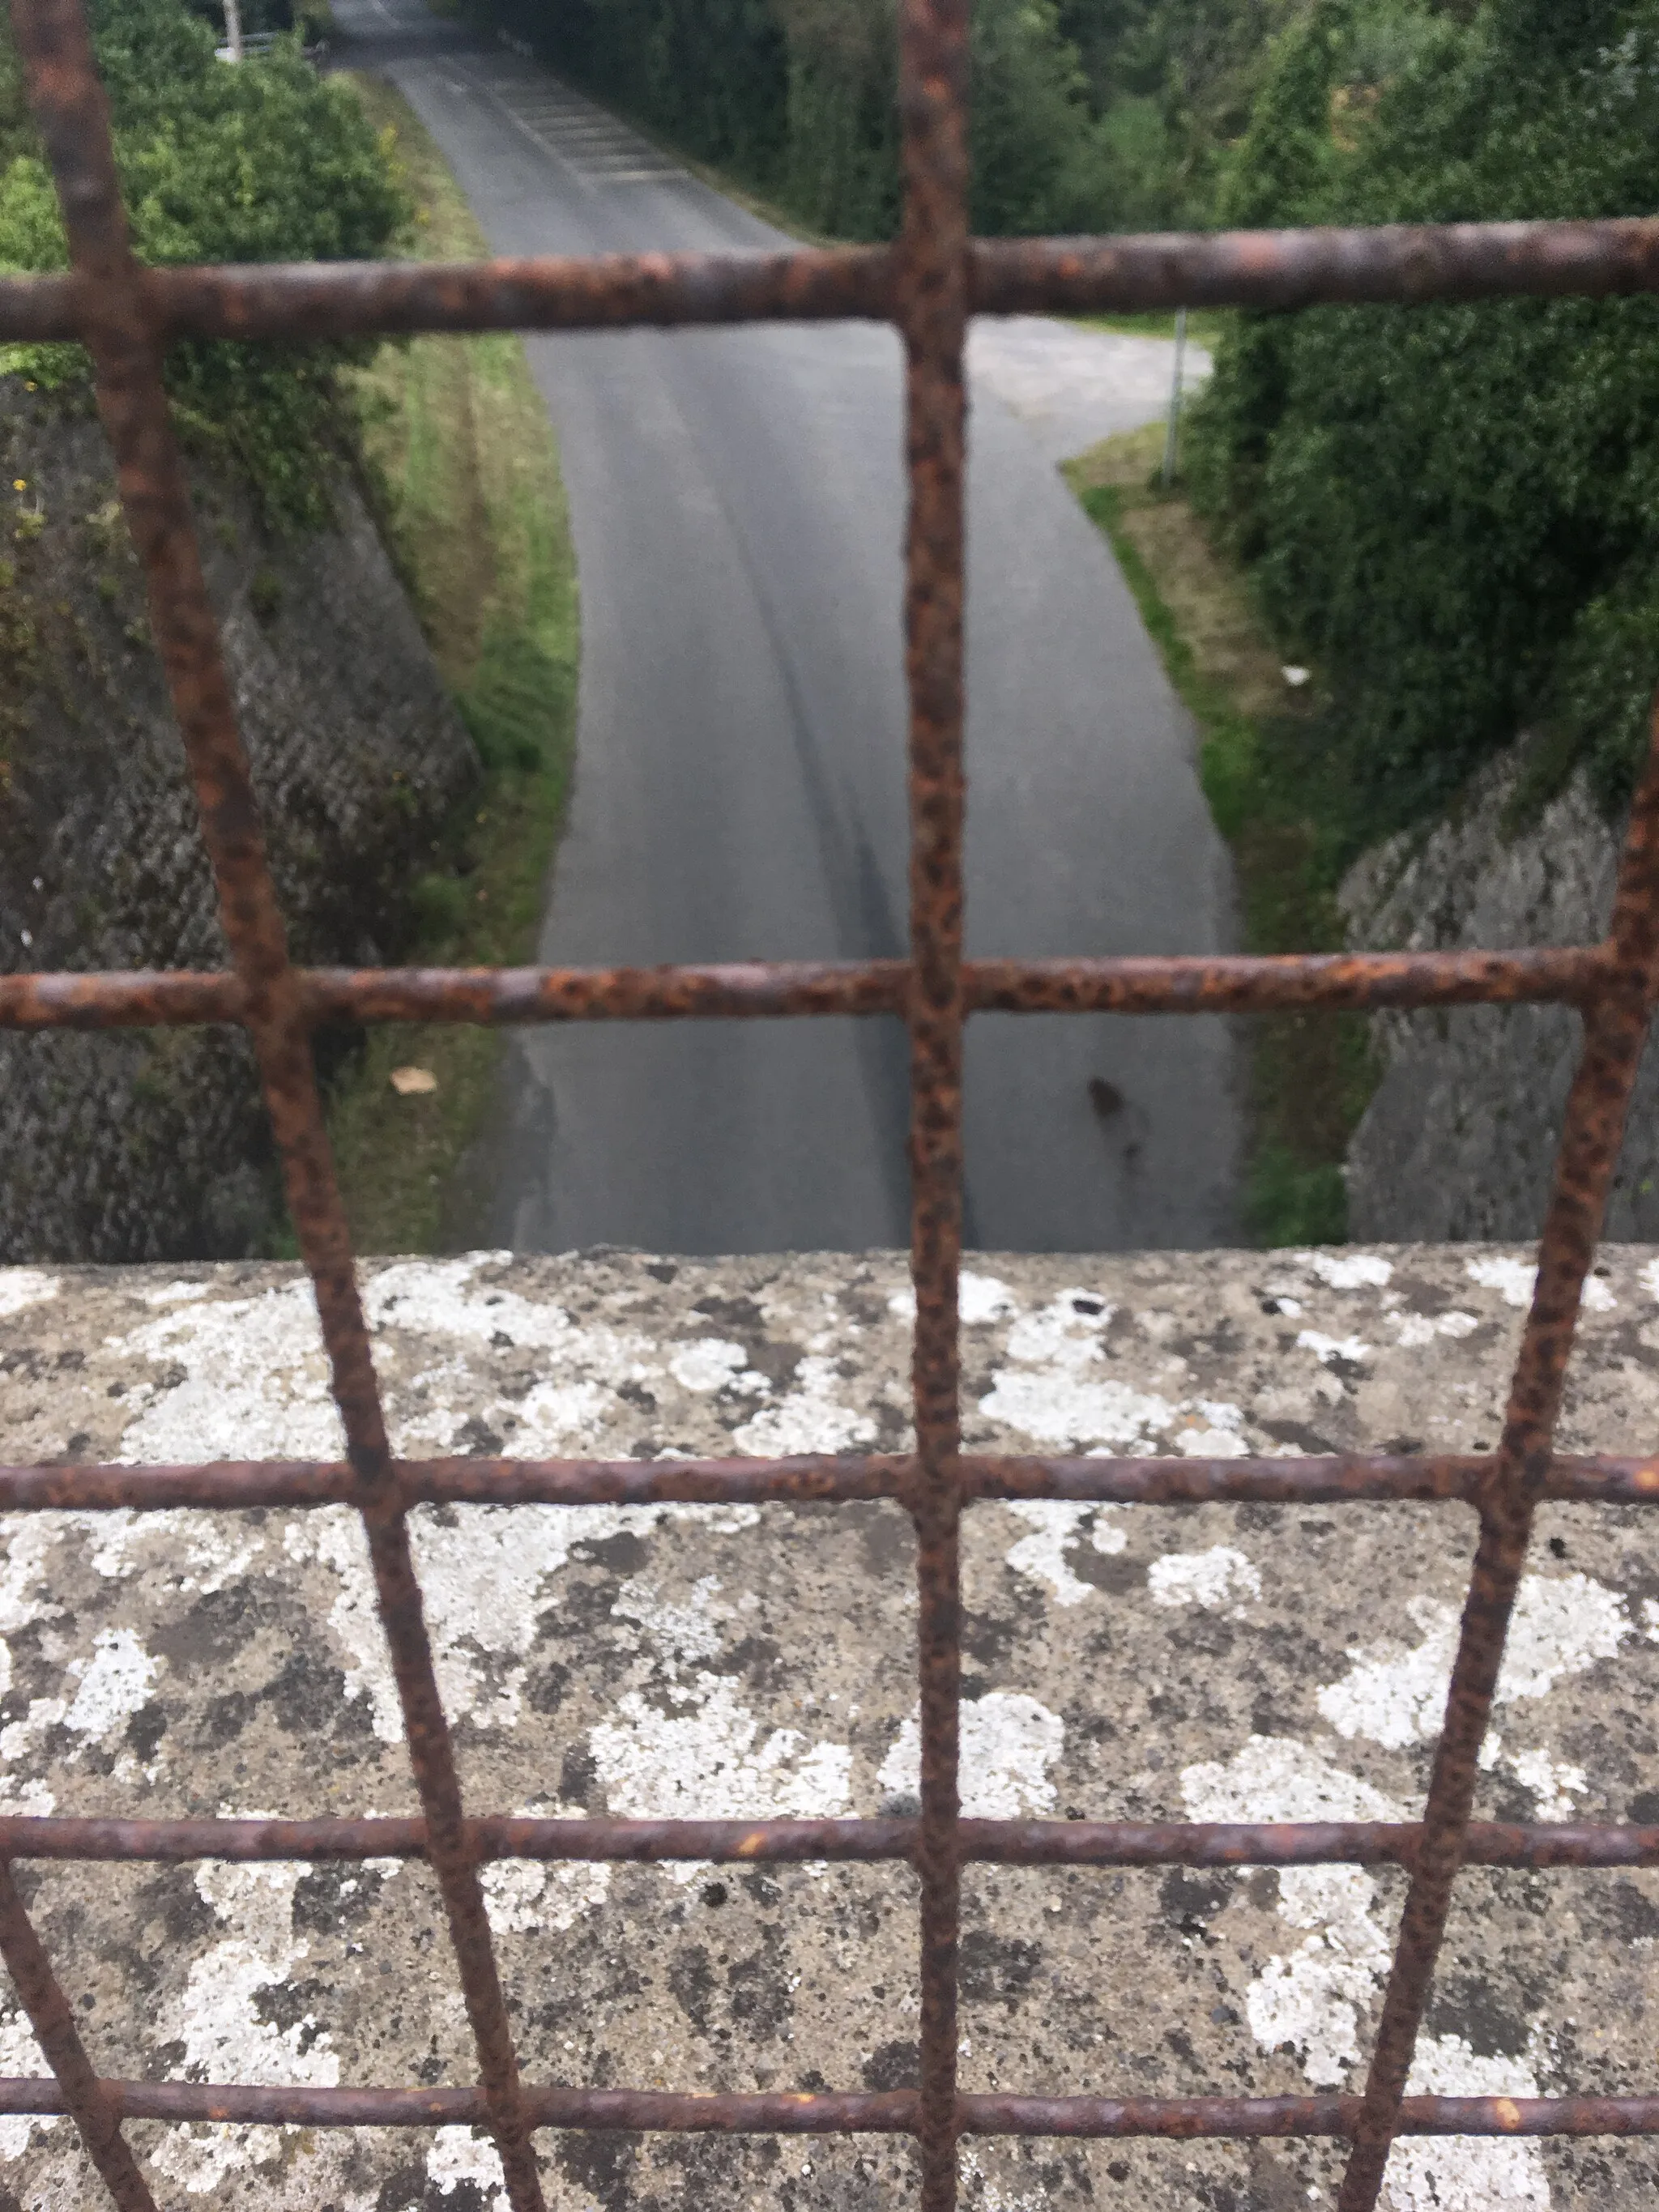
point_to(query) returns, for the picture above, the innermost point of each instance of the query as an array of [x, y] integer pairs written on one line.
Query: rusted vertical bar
[[88, 2104], [69, 104], [1615, 1031], [932, 314]]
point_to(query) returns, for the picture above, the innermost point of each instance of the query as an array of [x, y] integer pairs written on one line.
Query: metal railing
[[927, 285]]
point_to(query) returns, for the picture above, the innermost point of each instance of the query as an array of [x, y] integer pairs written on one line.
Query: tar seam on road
[[927, 285]]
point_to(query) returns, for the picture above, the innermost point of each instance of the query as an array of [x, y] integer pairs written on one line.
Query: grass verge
[[1204, 325], [1265, 775], [465, 474]]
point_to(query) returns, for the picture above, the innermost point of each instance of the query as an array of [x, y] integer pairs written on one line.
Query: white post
[[233, 29], [1174, 424]]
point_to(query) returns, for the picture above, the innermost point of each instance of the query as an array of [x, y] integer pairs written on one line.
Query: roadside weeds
[[464, 474], [1204, 324], [1261, 766]]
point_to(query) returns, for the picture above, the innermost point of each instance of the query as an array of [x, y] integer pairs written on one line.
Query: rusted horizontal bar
[[41, 308], [326, 300], [235, 1484], [993, 1843], [740, 990], [1354, 1478], [759, 989], [1190, 2118], [118, 999], [1359, 1479], [890, 2112], [1245, 983], [1244, 269], [1404, 262]]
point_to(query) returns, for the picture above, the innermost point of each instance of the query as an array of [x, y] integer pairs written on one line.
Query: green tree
[[1452, 511], [1039, 161], [798, 97], [264, 162]]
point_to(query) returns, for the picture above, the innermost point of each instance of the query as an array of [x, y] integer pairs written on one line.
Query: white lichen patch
[[712, 1761], [1308, 1999], [1210, 1429], [715, 1363], [1462, 2174], [986, 2194], [1325, 1348], [1220, 1576], [1051, 1393], [1056, 1528], [110, 1687], [441, 1303], [1553, 1782], [218, 2020], [811, 1418], [459, 2158], [522, 1896], [979, 1299], [332, 1536], [484, 1573], [1008, 1744], [255, 1383], [20, 2054], [27, 1541], [198, 2159], [1277, 1777], [684, 1745], [1349, 1271], [23, 1287], [1510, 1277], [1055, 1406], [1396, 1695], [1513, 1279], [114, 1685], [1413, 1330]]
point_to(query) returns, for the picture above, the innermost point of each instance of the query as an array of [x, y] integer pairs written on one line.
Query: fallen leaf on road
[[407, 1081]]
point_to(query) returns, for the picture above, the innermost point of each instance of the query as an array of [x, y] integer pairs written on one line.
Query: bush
[[1453, 512], [264, 162]]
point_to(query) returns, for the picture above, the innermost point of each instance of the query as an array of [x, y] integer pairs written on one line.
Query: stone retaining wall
[[1460, 1137], [136, 1144]]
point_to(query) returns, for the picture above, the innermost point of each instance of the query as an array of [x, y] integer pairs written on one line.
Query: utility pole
[[233, 29], [1173, 428]]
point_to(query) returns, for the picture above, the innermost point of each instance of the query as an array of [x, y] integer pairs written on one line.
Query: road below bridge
[[736, 499]]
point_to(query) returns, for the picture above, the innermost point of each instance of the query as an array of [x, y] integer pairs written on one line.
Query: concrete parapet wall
[[1201, 1662]]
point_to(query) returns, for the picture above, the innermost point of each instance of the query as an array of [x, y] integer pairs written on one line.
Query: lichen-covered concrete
[[1209, 1664]]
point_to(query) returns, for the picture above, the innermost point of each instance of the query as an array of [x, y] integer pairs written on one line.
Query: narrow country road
[[736, 499]]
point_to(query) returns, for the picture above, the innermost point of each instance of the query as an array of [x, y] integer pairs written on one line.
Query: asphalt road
[[736, 499]]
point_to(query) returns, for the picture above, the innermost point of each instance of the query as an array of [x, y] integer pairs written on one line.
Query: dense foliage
[[1452, 511], [1088, 114], [265, 162]]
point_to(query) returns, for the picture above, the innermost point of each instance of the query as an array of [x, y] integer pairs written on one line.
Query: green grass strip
[[1310, 1075], [473, 506]]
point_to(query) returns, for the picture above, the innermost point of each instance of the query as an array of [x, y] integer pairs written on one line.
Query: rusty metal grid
[[926, 284]]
